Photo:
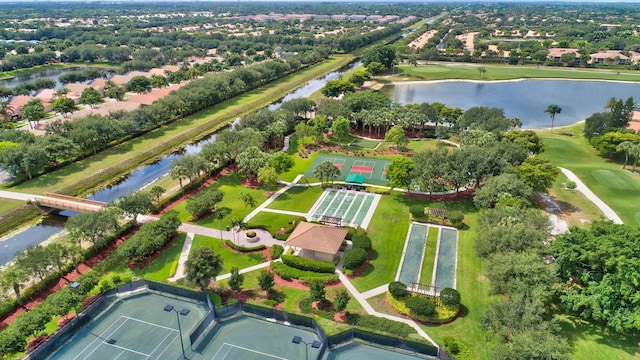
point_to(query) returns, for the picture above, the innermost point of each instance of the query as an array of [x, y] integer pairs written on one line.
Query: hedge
[[443, 314], [398, 290], [287, 273], [230, 244], [361, 241], [276, 251], [354, 258], [309, 265]]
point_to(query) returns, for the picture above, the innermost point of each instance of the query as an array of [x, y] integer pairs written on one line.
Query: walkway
[[580, 186], [16, 195]]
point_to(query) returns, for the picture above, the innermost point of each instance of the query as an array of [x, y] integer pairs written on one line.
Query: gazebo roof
[[355, 179]]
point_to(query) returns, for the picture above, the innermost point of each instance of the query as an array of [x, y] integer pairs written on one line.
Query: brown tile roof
[[105, 109], [18, 102], [609, 54], [558, 52], [321, 238], [76, 88]]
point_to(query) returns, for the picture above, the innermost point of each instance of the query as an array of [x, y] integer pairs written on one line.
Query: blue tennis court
[[353, 207], [413, 253], [445, 275]]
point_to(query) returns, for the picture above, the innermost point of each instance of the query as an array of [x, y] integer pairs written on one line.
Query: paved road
[[580, 186], [16, 195]]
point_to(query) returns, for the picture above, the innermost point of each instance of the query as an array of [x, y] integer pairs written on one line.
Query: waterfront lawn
[[297, 198], [231, 205], [617, 187], [273, 221], [506, 72], [229, 257]]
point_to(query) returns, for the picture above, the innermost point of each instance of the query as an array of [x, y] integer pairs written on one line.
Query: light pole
[[73, 286], [183, 312], [315, 344]]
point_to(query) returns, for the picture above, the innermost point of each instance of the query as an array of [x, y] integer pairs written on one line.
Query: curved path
[[580, 186]]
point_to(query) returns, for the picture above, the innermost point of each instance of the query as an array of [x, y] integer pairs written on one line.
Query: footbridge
[[57, 201]]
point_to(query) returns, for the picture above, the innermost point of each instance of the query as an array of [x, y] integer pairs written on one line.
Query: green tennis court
[[373, 170], [447, 258], [135, 328], [248, 338], [361, 143], [356, 351]]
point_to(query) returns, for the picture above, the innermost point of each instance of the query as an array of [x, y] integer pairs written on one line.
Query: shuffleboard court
[[371, 168], [446, 259], [354, 208], [134, 328], [413, 252]]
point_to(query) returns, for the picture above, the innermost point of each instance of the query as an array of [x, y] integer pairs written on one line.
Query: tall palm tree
[[552, 110], [625, 146], [6, 110]]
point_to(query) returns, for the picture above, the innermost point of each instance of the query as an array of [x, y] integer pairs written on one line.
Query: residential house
[[555, 54], [609, 57]]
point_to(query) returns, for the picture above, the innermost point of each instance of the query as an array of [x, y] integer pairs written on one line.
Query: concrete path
[[16, 195], [580, 186], [377, 291], [184, 255], [246, 270], [369, 309], [267, 202]]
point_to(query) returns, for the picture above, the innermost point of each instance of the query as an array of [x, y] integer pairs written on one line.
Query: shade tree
[[202, 267]]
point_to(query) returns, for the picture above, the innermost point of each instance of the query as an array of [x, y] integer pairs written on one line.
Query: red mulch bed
[[68, 278]]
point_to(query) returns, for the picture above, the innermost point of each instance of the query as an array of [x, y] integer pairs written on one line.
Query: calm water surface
[[525, 99]]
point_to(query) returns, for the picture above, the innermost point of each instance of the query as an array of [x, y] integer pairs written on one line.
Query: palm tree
[[180, 173], [6, 109], [611, 104], [552, 110], [482, 70], [625, 146], [635, 152]]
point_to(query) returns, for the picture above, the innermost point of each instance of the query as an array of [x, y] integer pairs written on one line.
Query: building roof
[[46, 95], [321, 238], [609, 54], [105, 109], [558, 52], [18, 102], [76, 88]]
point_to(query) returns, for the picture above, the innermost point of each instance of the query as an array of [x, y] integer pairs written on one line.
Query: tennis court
[[414, 246], [361, 143], [135, 328], [248, 338], [373, 170], [446, 259], [355, 208], [356, 351]]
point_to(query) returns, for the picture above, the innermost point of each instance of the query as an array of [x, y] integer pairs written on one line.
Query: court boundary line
[[100, 337], [149, 323], [166, 347], [231, 346]]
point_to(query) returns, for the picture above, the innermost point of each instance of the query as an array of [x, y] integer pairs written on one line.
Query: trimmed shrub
[[244, 249], [309, 265], [11, 341], [450, 297], [417, 211], [287, 273], [571, 185], [398, 290], [456, 218], [420, 305], [354, 258], [276, 251], [361, 241]]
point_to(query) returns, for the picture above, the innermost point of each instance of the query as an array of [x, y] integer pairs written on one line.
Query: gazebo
[[355, 181]]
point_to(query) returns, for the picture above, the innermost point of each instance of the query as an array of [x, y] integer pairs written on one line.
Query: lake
[[524, 99]]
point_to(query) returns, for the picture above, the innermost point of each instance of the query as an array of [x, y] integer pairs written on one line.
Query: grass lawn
[[506, 72], [429, 256], [273, 221], [297, 198], [301, 165], [159, 269], [229, 257], [233, 207], [593, 342], [618, 188], [422, 145], [360, 143], [579, 210]]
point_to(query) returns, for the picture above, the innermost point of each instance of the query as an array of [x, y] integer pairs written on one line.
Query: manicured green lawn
[[593, 342], [360, 143], [506, 72], [579, 210], [300, 167], [298, 198], [429, 256], [229, 257], [422, 145], [618, 188], [273, 221], [232, 206]]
